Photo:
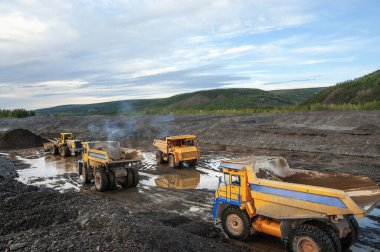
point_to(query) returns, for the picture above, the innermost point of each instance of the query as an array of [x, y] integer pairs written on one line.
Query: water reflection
[[185, 179]]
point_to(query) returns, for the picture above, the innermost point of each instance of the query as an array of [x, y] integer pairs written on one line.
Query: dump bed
[[161, 145], [110, 153], [282, 192]]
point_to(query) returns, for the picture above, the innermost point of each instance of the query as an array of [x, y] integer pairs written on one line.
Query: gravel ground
[[334, 132], [40, 219]]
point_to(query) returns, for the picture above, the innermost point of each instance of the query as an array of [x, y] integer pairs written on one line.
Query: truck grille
[[192, 154]]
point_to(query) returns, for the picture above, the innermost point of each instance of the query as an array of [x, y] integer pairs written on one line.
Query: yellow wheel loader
[[108, 165], [66, 145], [177, 150], [310, 211]]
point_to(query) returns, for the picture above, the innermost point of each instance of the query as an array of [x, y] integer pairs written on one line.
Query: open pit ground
[[43, 205]]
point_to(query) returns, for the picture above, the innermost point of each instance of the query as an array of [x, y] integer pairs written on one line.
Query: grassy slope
[[361, 90], [217, 99]]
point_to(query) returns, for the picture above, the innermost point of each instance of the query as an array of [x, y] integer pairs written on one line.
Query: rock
[[17, 246]]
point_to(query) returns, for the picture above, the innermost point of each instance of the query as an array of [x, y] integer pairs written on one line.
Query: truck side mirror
[[220, 179]]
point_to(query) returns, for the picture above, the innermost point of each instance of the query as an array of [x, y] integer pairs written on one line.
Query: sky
[[55, 52]]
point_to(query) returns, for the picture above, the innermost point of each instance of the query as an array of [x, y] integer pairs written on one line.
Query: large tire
[[64, 151], [85, 174], [101, 180], [172, 163], [193, 163], [111, 180], [136, 177], [352, 236], [236, 223], [307, 237], [331, 232], [129, 178], [53, 150], [159, 158]]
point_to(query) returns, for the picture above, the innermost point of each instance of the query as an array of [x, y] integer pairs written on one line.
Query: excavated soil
[[334, 132], [40, 219], [20, 139], [153, 218]]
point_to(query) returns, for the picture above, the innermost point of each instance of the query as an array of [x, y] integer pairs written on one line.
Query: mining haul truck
[[310, 211], [66, 145], [177, 150], [109, 164]]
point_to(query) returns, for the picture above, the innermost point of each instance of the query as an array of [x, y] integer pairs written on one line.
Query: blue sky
[[57, 52]]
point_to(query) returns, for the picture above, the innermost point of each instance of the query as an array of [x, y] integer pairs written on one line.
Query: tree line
[[16, 113]]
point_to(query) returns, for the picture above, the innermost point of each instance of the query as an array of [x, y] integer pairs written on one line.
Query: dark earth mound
[[41, 219], [20, 139]]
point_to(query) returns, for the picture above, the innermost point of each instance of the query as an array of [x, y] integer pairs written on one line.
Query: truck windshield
[[185, 142]]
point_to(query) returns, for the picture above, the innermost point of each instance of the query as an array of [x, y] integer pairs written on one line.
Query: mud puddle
[[50, 171]]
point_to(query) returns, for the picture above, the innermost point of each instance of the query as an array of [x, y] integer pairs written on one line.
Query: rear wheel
[[159, 158], [331, 233], [53, 149], [101, 180], [236, 223], [352, 236], [136, 177], [307, 237], [193, 163], [85, 175], [111, 180], [172, 163]]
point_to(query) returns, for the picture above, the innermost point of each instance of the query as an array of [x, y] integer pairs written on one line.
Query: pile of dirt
[[20, 139]]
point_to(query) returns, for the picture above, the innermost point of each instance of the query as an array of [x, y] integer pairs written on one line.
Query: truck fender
[[218, 209], [219, 206]]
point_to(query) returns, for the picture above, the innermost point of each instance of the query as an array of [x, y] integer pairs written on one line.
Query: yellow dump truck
[[176, 150], [66, 145], [310, 211], [109, 164]]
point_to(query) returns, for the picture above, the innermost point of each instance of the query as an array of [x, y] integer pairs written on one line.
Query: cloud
[[56, 52]]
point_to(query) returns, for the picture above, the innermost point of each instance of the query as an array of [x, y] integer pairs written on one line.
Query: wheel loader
[[177, 150], [309, 211], [66, 145], [108, 165]]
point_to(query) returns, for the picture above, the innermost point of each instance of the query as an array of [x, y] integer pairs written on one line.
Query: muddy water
[[50, 171], [187, 191]]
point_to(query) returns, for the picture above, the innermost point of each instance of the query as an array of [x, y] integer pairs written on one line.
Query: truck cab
[[66, 136]]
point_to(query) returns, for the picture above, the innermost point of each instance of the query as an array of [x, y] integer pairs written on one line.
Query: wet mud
[[183, 198]]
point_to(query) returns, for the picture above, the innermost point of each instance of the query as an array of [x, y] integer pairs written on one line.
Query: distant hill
[[360, 90], [208, 100]]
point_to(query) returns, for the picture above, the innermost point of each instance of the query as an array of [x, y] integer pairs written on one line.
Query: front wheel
[[159, 158], [85, 174], [53, 149], [101, 180], [172, 163], [307, 237], [64, 151], [236, 223]]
